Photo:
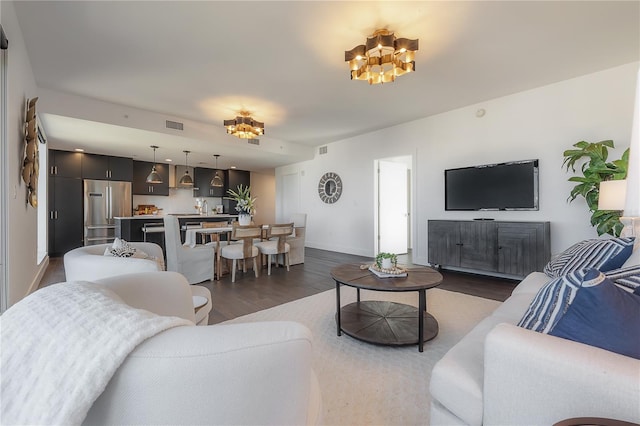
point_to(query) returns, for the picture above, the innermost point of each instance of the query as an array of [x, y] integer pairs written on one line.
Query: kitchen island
[[130, 228]]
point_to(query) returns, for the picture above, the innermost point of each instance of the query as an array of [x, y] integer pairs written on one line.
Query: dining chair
[[215, 242], [244, 250], [297, 240], [276, 244], [197, 263]]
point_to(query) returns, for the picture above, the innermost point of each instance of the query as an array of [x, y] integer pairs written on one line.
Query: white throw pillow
[[121, 248]]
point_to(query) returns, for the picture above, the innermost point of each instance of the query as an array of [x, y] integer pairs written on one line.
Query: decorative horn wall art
[[31, 162]]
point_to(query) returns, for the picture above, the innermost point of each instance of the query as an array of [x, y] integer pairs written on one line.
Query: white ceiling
[[284, 61]]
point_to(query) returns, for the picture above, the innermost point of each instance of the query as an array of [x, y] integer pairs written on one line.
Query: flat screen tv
[[504, 186]]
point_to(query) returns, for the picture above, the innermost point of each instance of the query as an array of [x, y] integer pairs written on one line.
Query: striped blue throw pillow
[[602, 315], [601, 254], [626, 278], [552, 301]]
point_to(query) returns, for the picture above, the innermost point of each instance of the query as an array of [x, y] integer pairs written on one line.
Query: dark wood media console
[[507, 248]]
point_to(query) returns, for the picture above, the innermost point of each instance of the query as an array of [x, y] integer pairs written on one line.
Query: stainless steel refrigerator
[[104, 200]]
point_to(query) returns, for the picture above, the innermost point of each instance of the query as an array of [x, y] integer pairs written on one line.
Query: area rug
[[365, 384]]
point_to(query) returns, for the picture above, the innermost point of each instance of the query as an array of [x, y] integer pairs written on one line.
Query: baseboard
[[340, 249], [35, 284]]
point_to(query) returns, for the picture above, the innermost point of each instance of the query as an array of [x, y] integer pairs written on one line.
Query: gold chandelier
[[244, 127], [382, 58]]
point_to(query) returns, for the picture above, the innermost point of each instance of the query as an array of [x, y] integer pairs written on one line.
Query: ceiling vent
[[174, 125], [322, 150], [254, 141]]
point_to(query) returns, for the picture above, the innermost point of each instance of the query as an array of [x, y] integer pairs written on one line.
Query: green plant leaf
[[578, 179], [595, 169]]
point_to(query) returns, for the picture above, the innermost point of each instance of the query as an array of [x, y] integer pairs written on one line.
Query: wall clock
[[330, 187]]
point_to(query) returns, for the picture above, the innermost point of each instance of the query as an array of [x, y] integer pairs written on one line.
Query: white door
[[392, 207]]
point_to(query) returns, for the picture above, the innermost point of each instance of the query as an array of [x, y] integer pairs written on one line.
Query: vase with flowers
[[245, 205]]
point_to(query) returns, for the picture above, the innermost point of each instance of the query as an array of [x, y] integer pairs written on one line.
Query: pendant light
[[154, 177], [217, 180], [186, 179]]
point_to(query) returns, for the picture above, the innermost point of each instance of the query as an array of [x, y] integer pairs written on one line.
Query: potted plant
[[245, 205], [594, 171], [386, 260]]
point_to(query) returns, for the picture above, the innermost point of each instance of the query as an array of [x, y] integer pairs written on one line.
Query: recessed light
[[79, 150], [233, 167], [168, 160]]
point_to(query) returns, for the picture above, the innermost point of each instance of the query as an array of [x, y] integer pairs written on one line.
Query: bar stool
[[152, 228]]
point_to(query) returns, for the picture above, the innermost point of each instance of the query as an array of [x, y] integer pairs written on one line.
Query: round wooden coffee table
[[386, 323]]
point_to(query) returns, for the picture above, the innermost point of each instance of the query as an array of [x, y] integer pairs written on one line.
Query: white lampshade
[[612, 195]]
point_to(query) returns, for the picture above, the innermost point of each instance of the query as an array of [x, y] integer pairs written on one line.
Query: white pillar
[[631, 219], [632, 204]]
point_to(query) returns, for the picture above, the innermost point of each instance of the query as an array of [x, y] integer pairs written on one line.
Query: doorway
[[393, 202]]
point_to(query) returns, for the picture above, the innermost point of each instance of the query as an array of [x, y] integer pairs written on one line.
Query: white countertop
[[180, 216]]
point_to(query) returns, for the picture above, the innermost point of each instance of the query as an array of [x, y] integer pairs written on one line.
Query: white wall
[[23, 270], [539, 123]]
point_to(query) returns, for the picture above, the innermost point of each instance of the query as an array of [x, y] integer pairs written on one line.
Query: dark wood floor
[[250, 294]]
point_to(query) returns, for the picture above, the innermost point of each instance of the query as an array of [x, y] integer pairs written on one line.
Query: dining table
[[191, 234]]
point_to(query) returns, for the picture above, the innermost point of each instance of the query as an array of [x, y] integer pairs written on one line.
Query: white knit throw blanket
[[61, 345]]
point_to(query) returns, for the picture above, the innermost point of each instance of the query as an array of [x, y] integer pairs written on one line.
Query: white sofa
[[89, 263], [254, 373], [502, 374]]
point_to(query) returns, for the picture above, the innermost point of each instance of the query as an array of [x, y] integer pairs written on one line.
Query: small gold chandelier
[[244, 127], [382, 58]]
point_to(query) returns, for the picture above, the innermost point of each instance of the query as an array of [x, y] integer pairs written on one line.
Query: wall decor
[[330, 187], [31, 162]]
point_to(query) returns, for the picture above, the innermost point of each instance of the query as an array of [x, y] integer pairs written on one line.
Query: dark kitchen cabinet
[[202, 179], [235, 178], [105, 167], [65, 214], [141, 170], [65, 163], [510, 248], [121, 168]]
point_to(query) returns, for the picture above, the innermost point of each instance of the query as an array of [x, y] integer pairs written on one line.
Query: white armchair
[[254, 373], [90, 264], [195, 263]]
